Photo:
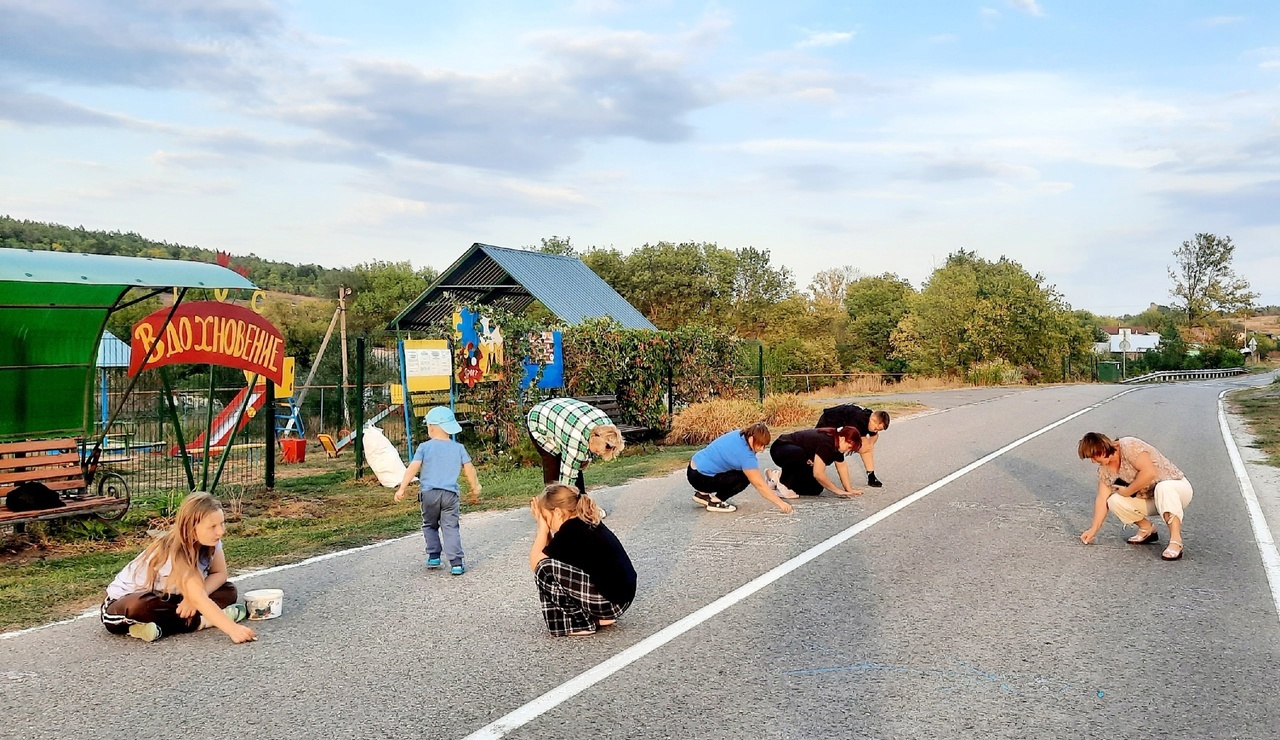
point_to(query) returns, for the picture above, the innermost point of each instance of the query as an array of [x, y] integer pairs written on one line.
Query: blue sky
[[1084, 140]]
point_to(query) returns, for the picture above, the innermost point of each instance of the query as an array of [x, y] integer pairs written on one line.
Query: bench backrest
[[607, 404], [53, 462]]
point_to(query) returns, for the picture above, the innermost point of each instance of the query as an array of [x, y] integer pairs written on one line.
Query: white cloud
[[826, 38], [989, 13], [1030, 7]]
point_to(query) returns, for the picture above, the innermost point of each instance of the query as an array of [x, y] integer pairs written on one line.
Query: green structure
[[53, 310], [1109, 372]]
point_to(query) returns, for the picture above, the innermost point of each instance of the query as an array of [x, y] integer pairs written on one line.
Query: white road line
[[1261, 532], [601, 671]]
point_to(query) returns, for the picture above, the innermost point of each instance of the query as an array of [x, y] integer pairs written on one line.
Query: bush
[[1030, 374], [702, 422], [789, 410], [992, 372]]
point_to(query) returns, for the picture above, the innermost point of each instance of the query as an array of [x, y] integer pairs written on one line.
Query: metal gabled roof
[[513, 279], [76, 268]]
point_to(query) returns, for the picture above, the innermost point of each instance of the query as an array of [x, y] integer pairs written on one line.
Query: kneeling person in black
[[868, 423], [585, 579], [804, 457]]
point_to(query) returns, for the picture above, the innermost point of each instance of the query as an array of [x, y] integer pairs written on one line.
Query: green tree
[[1204, 282], [972, 310], [555, 245], [381, 290], [875, 306]]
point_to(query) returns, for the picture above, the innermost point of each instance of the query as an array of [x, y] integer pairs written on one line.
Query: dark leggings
[[149, 606], [797, 468], [722, 485], [551, 467]]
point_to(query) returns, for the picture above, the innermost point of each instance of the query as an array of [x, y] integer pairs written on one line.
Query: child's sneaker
[[458, 569], [145, 631], [237, 612], [433, 562]]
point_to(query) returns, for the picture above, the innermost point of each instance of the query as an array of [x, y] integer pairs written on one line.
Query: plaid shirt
[[563, 425]]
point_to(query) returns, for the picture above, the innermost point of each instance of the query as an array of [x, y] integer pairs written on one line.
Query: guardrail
[[1169, 375]]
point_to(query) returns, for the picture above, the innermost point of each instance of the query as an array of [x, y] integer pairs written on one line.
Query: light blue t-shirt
[[442, 461], [729, 451]]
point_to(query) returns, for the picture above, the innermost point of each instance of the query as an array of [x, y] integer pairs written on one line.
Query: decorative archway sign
[[213, 333], [208, 332]]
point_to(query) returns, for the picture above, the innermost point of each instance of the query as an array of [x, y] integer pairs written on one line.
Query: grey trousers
[[440, 513]]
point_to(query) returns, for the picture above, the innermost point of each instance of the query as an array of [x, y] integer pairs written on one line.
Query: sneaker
[[701, 498], [722, 506], [433, 562], [458, 569], [146, 631], [873, 481], [237, 612]]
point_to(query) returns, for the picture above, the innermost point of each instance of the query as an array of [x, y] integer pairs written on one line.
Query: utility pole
[[343, 292]]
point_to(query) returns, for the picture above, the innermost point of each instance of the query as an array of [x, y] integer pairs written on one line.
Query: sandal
[[1165, 555], [1142, 539]]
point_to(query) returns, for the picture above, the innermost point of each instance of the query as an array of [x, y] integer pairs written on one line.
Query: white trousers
[[1171, 497]]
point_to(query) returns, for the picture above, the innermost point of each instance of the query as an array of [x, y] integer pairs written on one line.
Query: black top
[[597, 551], [814, 442], [848, 415]]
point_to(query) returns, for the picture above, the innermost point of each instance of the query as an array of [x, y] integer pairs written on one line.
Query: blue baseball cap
[[443, 418]]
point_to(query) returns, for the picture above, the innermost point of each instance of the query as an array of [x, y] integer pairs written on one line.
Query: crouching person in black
[[585, 579], [869, 425]]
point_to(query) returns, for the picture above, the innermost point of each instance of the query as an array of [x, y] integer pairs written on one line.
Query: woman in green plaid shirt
[[569, 434]]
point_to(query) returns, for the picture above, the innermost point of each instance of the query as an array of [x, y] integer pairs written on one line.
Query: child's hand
[[241, 633], [400, 493]]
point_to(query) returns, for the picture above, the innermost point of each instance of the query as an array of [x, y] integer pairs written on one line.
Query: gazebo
[[513, 279]]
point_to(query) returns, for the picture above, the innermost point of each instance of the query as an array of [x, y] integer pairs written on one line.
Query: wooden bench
[[56, 463], [609, 405]]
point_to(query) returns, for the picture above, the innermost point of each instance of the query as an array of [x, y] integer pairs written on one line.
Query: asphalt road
[[973, 611]]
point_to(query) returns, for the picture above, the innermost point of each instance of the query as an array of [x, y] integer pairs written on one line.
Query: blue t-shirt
[[442, 461], [729, 451]]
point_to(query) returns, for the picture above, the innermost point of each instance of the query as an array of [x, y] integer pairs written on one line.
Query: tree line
[[971, 312]]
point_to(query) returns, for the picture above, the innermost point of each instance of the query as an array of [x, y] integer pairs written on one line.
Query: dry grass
[[702, 422], [873, 384], [790, 410]]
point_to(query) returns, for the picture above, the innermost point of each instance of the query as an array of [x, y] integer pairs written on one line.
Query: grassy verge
[[71, 563], [1261, 409]]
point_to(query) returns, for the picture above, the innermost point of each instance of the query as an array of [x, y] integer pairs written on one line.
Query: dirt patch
[[296, 509]]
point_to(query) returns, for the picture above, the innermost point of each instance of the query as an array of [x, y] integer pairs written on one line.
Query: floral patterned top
[[1130, 449]]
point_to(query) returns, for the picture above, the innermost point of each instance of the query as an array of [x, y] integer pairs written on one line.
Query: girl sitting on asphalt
[[179, 583], [804, 456], [726, 467], [585, 579]]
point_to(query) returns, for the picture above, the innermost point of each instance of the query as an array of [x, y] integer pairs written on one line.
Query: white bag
[[383, 457]]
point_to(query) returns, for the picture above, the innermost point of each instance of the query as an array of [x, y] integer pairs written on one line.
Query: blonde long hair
[[559, 496], [179, 545], [613, 441]]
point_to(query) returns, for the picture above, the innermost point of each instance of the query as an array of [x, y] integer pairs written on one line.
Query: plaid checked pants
[[570, 602]]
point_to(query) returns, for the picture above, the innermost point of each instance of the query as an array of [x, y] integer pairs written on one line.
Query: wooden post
[[360, 407], [269, 436], [343, 292]]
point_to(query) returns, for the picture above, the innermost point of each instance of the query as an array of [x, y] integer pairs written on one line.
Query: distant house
[[1140, 340]]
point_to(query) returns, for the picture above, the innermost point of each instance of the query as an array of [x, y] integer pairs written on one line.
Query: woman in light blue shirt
[[726, 467]]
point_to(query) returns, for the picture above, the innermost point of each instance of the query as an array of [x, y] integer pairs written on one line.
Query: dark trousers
[[150, 606], [797, 468], [551, 467], [722, 485]]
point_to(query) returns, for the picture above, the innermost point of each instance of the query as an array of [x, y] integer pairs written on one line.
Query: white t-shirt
[[134, 576]]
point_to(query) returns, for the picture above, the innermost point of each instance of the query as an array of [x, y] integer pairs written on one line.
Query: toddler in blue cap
[[437, 463]]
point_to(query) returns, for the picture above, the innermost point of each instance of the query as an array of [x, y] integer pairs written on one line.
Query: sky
[[1085, 140]]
